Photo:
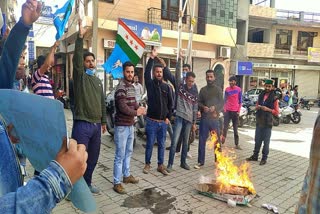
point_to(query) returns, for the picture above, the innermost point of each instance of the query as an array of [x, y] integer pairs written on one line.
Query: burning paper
[[232, 182]]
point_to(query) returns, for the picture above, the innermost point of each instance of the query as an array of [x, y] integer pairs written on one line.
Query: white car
[[253, 94]]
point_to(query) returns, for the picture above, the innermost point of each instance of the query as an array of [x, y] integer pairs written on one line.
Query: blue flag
[[61, 17], [129, 47], [114, 63]]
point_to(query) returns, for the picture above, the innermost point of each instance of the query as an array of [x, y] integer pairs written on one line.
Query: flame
[[227, 173]]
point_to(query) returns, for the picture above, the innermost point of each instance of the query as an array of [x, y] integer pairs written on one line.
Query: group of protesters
[[54, 183]]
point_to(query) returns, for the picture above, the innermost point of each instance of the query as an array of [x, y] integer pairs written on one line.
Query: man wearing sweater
[[186, 116], [232, 106], [126, 109], [90, 110], [210, 104]]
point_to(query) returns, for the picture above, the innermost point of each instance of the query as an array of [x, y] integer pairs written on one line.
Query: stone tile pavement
[[279, 183]]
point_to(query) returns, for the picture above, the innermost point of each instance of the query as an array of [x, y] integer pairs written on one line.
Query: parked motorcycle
[[304, 103], [139, 122], [62, 97], [247, 112], [289, 113]]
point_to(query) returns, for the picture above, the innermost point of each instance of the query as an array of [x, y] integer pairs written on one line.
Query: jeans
[[182, 128], [88, 134], [206, 126], [231, 115], [262, 134], [123, 139], [155, 130], [10, 175], [40, 195]]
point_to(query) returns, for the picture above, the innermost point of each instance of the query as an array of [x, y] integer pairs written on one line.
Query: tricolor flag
[[61, 17], [128, 47]]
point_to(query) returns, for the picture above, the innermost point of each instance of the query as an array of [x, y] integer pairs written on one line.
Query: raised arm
[[15, 42], [49, 62], [147, 73], [77, 60]]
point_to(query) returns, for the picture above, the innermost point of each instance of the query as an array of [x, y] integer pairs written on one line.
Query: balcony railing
[[298, 16], [169, 20], [291, 50]]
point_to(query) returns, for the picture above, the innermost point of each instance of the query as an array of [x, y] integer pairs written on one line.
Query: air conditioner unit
[[225, 52]]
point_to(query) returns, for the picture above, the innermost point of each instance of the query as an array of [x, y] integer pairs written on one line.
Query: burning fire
[[227, 173]]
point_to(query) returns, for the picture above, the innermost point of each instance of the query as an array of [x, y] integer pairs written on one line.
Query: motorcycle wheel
[[275, 121], [295, 118], [110, 127], [286, 120]]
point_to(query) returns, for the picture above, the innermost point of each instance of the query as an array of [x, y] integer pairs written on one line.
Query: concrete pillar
[[272, 3]]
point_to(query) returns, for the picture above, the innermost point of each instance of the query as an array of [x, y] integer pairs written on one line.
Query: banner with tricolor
[[128, 47]]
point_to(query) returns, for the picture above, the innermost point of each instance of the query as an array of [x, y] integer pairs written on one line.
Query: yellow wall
[[214, 34], [261, 11], [136, 10], [295, 30]]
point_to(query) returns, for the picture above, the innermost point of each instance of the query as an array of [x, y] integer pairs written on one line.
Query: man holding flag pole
[[90, 110]]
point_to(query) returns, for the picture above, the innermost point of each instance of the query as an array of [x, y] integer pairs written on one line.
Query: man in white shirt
[[138, 88]]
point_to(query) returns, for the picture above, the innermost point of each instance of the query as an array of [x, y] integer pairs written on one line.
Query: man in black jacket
[[159, 112], [267, 106]]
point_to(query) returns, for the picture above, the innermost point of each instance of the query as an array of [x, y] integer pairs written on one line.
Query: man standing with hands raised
[[90, 109], [159, 112]]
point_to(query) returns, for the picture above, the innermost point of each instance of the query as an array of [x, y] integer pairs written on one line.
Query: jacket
[[263, 118], [88, 91], [159, 96], [53, 184]]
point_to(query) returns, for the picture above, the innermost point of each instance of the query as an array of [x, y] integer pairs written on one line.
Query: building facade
[[215, 27], [284, 46]]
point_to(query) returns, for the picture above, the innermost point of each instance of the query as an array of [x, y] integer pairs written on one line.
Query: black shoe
[[168, 148], [238, 147], [263, 162], [185, 166], [252, 158]]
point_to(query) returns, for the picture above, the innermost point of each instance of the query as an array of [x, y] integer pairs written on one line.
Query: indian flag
[[128, 47]]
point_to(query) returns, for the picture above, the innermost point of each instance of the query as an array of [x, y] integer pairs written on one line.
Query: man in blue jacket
[[55, 182]]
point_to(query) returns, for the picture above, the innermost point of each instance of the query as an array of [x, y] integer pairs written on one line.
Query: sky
[[299, 5]]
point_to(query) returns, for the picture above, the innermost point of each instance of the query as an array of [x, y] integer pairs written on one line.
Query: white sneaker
[[189, 155], [177, 154]]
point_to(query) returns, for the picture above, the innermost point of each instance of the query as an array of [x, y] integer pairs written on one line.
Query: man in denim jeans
[[126, 109], [186, 115], [159, 112], [210, 104], [55, 182]]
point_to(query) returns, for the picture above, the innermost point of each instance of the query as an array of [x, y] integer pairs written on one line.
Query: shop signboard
[[244, 68], [313, 54], [151, 34]]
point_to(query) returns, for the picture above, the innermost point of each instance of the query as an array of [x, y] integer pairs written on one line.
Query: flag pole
[[193, 22], [179, 45]]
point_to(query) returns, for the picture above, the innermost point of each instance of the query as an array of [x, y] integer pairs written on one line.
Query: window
[[283, 39], [305, 40], [170, 10]]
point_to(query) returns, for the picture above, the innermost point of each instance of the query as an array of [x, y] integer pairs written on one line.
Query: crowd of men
[[54, 183]]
